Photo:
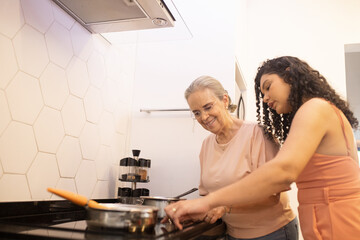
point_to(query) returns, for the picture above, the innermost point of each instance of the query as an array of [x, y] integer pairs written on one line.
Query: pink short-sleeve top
[[223, 164]]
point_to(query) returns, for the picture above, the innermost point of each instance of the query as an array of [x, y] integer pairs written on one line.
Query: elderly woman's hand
[[214, 214], [183, 210]]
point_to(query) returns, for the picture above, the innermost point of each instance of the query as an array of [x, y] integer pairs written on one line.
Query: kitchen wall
[[315, 31], [164, 69], [352, 60], [65, 99]]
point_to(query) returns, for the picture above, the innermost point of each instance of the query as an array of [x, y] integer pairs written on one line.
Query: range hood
[[101, 16]]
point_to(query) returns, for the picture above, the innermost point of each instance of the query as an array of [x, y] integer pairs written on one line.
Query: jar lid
[[124, 162], [144, 162], [144, 192], [140, 192], [136, 192], [136, 152], [132, 162], [124, 192]]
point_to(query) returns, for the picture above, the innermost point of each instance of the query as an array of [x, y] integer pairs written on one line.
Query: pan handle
[[76, 198], [186, 193]]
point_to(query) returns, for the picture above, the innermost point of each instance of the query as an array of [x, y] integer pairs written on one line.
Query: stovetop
[[63, 220]]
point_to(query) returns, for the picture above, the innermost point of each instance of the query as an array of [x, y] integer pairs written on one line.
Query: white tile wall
[[59, 45], [65, 100], [39, 179], [96, 68], [69, 156], [49, 130], [38, 13], [24, 98], [73, 114], [17, 148], [93, 104], [103, 155], [82, 42], [8, 65], [8, 184], [4, 112], [78, 77], [11, 17], [107, 128], [29, 45], [1, 171], [98, 188], [86, 178], [65, 183], [90, 141], [64, 19], [55, 89]]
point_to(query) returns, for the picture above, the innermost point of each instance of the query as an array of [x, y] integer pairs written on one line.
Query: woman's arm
[[264, 203], [308, 128]]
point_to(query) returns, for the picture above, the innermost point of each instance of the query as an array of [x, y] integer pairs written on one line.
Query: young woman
[[298, 107], [232, 151]]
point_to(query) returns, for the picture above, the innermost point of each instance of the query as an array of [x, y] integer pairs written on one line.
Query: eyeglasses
[[207, 108]]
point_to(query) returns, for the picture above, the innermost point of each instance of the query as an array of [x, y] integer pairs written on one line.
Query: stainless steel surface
[[133, 218], [159, 202], [186, 193], [100, 16], [162, 202]]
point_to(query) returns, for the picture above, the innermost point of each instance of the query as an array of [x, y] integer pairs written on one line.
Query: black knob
[[136, 152]]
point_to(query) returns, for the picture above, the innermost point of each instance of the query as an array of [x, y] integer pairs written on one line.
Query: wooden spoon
[[76, 198]]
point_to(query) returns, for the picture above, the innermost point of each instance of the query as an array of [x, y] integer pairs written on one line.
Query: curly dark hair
[[305, 82]]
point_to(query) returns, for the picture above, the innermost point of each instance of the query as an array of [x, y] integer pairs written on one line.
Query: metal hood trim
[[101, 16]]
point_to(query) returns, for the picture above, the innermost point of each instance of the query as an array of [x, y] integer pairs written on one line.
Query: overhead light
[[159, 21]]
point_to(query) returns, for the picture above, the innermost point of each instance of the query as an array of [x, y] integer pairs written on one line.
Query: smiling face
[[276, 92], [209, 110]]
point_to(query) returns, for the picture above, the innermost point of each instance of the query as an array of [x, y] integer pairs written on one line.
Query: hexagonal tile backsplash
[[62, 122]]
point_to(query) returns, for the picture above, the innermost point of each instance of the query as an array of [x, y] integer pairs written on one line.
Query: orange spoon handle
[[94, 204], [76, 198]]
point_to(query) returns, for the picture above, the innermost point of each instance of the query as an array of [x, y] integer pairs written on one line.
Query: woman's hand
[[214, 214], [183, 210]]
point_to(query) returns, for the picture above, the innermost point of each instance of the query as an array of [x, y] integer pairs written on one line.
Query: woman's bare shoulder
[[314, 117], [316, 108], [317, 102]]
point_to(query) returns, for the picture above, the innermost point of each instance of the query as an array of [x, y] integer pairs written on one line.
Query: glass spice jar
[[144, 166]]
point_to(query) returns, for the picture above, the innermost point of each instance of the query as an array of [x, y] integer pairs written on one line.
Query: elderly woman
[[232, 151]]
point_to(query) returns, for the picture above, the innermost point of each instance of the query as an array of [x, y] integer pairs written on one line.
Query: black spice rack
[[133, 170]]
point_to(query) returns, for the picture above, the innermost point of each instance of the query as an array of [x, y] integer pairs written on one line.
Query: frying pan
[[162, 202], [132, 218]]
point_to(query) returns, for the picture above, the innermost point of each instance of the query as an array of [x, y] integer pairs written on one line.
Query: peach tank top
[[329, 196]]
